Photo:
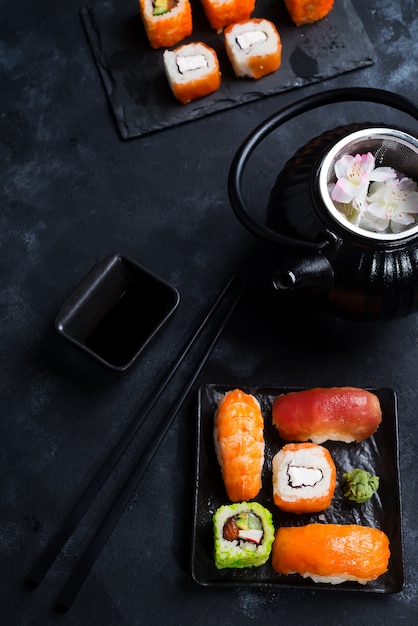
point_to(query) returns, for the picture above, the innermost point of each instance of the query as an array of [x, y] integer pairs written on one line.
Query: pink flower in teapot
[[392, 204], [354, 175], [374, 198]]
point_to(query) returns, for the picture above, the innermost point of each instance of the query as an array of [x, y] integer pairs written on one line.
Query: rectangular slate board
[[379, 454], [138, 91]]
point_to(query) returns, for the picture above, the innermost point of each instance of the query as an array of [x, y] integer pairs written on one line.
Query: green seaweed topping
[[360, 485]]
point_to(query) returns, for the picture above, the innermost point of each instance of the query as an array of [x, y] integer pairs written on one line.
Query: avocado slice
[[160, 7], [247, 521]]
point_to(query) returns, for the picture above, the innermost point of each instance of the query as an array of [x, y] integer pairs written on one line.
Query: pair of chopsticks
[[231, 292]]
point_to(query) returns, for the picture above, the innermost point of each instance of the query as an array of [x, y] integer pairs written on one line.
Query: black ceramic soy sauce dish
[[116, 310]]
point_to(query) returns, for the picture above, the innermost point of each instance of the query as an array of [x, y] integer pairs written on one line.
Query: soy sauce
[[125, 327]]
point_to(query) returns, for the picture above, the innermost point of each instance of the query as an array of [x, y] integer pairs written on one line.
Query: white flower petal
[[382, 173], [375, 224], [342, 166], [338, 195], [403, 218], [377, 209]]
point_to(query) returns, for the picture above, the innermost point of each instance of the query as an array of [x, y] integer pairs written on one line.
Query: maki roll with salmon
[[308, 11], [253, 47], [221, 13], [192, 71], [166, 22], [304, 478], [239, 444], [244, 535], [331, 553]]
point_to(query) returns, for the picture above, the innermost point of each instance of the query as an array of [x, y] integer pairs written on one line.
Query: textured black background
[[72, 193]]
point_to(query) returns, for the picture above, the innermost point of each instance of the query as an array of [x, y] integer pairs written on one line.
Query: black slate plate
[[133, 74], [377, 454]]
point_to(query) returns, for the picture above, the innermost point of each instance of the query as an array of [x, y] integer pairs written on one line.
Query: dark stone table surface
[[74, 192]]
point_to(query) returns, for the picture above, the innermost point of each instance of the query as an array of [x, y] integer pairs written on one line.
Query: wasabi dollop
[[360, 485]]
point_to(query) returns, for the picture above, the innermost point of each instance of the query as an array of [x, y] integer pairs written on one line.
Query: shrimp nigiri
[[331, 553], [239, 444]]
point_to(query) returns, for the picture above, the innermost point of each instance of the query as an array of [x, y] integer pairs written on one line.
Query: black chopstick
[[93, 551], [77, 513]]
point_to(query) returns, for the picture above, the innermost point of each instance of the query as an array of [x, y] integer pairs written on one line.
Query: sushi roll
[[192, 71], [308, 11], [253, 47], [335, 413], [331, 553], [239, 444], [244, 535], [304, 478], [221, 13], [166, 22]]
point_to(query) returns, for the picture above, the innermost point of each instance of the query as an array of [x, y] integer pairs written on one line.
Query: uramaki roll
[[253, 48], [166, 22], [221, 13], [192, 71], [331, 553], [304, 478], [308, 11], [243, 534]]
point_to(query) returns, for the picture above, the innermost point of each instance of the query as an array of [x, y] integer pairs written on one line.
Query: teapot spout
[[311, 272]]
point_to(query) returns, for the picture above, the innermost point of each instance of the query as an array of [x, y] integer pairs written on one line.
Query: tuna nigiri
[[239, 444], [307, 11], [331, 553], [335, 413], [304, 478]]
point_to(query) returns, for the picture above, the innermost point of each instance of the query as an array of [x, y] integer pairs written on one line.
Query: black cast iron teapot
[[342, 216]]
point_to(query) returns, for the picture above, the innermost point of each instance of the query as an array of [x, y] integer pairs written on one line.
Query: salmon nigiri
[[331, 553], [239, 443]]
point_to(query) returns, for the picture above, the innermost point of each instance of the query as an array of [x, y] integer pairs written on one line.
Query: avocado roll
[[244, 535]]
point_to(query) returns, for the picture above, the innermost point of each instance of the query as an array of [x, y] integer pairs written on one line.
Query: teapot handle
[[355, 94]]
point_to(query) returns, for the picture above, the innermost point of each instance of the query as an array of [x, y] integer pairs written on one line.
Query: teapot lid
[[368, 183]]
